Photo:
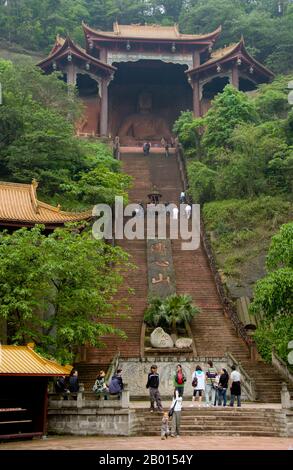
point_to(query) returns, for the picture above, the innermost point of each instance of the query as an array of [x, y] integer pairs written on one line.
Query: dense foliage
[[273, 300], [242, 147], [37, 141], [267, 29], [55, 290]]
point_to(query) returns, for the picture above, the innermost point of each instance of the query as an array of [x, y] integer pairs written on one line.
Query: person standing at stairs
[[235, 386], [146, 148], [179, 380], [222, 387], [210, 388], [167, 154], [153, 386], [182, 198], [198, 382], [176, 417]]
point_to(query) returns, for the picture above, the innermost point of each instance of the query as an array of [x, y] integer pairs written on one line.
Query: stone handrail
[[142, 336], [83, 400], [182, 164], [286, 401], [247, 382], [228, 306], [281, 367], [77, 397], [112, 367]]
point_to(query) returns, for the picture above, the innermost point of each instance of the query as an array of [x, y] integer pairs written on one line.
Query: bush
[[171, 311], [201, 182], [274, 335]]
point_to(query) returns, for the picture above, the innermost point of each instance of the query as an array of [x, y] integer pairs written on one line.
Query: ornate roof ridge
[[118, 30]]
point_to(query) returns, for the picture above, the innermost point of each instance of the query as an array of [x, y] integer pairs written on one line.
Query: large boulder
[[183, 343], [161, 339]]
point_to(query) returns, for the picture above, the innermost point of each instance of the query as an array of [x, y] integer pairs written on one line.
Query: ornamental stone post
[[285, 396]]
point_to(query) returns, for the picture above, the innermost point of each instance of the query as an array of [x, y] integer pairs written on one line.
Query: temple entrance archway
[[145, 99]]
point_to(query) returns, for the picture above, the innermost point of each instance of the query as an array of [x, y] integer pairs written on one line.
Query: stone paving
[[152, 443]]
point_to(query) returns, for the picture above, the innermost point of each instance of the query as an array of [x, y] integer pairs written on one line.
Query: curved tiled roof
[[62, 47], [230, 52], [156, 32], [22, 360], [19, 203]]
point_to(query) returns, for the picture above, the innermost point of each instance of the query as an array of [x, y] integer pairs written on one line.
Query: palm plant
[[173, 310]]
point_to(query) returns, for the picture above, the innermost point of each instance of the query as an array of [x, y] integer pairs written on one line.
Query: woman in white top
[[198, 382], [235, 386], [176, 417]]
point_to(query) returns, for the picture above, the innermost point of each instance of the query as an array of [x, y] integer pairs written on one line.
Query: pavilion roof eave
[[18, 208], [70, 46], [239, 51], [24, 361], [96, 35]]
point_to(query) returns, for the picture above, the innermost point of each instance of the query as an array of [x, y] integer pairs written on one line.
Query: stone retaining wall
[[89, 419]]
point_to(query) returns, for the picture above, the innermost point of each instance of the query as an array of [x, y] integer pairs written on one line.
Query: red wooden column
[[196, 99], [104, 107], [235, 77], [196, 59]]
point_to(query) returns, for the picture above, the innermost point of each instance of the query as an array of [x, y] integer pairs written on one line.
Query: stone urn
[[183, 343], [161, 339]]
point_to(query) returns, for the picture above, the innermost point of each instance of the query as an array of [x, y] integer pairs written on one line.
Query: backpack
[[194, 382]]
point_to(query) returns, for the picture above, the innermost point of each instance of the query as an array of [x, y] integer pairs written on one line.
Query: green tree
[[228, 110], [189, 132], [272, 294], [281, 253], [99, 185], [56, 290], [273, 301], [201, 182]]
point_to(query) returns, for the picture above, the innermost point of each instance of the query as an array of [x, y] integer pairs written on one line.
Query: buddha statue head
[[145, 102]]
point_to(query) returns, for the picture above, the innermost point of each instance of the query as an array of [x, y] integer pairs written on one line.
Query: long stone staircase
[[212, 331]]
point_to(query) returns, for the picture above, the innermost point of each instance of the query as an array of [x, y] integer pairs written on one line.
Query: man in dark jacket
[[116, 384], [153, 386]]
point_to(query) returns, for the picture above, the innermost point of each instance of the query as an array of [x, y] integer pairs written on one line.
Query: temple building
[[20, 207], [135, 80]]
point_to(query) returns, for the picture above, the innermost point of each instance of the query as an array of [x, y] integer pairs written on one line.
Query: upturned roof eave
[[238, 51], [75, 50]]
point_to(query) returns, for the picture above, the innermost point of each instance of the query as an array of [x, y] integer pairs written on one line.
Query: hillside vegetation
[[267, 28]]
